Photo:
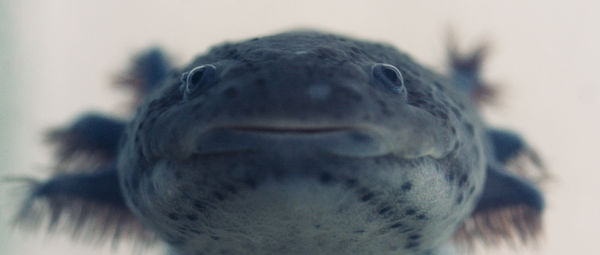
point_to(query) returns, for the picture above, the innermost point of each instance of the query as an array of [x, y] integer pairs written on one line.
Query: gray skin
[[303, 143]]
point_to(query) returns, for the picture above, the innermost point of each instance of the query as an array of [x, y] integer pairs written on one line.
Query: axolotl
[[302, 142]]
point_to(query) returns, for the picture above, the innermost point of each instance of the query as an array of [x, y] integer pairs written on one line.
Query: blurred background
[[58, 59]]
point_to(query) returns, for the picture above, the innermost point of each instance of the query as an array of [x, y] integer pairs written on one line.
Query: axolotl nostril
[[296, 143]]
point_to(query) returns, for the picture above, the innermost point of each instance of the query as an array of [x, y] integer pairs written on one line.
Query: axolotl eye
[[389, 77], [198, 80]]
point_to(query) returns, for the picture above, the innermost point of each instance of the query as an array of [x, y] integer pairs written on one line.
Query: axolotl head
[[304, 143]]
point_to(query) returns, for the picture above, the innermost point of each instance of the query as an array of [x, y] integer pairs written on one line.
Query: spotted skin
[[298, 143]]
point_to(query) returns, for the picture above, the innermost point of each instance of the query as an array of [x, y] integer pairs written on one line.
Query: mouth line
[[292, 140], [286, 130]]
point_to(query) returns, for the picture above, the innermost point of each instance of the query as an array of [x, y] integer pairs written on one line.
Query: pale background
[[57, 59]]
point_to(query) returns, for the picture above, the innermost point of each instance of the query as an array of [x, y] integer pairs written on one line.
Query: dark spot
[[384, 210], [410, 212], [470, 128], [324, 53], [421, 217], [411, 245], [406, 230], [442, 115], [318, 226], [192, 217], [325, 177], [456, 112], [462, 181], [234, 54], [471, 190], [450, 176], [414, 237], [396, 225], [459, 199], [378, 161], [182, 231], [453, 130], [351, 182], [420, 102], [406, 186], [456, 146], [152, 120], [230, 188], [215, 238], [218, 196], [173, 216], [231, 93], [199, 205], [367, 197], [359, 137]]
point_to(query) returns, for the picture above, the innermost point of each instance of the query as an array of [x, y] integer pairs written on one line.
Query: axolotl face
[[304, 143]]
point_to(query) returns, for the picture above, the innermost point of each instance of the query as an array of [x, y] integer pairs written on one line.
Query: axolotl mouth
[[280, 150], [339, 141]]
